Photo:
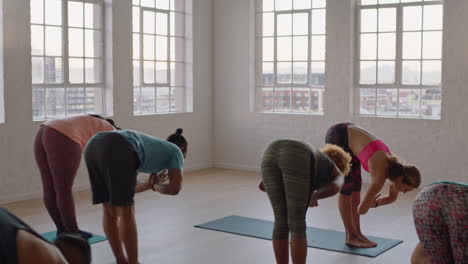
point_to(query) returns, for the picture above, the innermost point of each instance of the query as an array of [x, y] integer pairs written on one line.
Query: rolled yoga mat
[[51, 236], [317, 237]]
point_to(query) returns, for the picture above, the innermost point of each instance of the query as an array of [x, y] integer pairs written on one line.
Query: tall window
[[290, 55], [400, 57], [159, 56], [67, 57]]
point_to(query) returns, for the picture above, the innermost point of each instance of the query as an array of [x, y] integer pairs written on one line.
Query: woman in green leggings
[[295, 176]]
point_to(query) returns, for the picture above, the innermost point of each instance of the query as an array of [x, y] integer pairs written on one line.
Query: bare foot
[[362, 237], [359, 243]]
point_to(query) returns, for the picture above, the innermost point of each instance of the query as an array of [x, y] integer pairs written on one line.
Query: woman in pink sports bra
[[376, 158]]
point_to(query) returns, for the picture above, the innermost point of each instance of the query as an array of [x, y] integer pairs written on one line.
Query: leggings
[[58, 158], [338, 135], [286, 171], [440, 215]]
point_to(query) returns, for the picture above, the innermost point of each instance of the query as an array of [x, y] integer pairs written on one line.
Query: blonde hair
[[396, 168], [341, 158]]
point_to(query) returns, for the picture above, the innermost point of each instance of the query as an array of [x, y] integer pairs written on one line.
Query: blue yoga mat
[[51, 236], [317, 237]]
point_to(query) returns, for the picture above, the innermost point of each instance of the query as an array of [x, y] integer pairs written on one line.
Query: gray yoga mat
[[317, 237]]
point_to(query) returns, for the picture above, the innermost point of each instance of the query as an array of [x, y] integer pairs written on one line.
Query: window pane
[[265, 98], [92, 16], [367, 101], [53, 12], [136, 73], [284, 25], [136, 100], [162, 100], [93, 43], [75, 14], [162, 72], [37, 11], [94, 100], [318, 48], [433, 15], [177, 49], [284, 72], [178, 96], [266, 73], [301, 100], [387, 46], [268, 5], [162, 4], [319, 3], [301, 4], [148, 3], [284, 50], [368, 46], [37, 67], [387, 102], [148, 22], [412, 18], [148, 100], [76, 70], [368, 2], [412, 45], [369, 20], [300, 72], [268, 23], [148, 72], [177, 24], [53, 70], [411, 72], [282, 99], [266, 47], [388, 1], [37, 40], [283, 5], [38, 103], [431, 103], [300, 50], [387, 19], [317, 74], [368, 72], [161, 24], [431, 72], [75, 44], [432, 45], [161, 48], [148, 47], [53, 41], [136, 19], [75, 101], [318, 21], [177, 74], [316, 100], [93, 71], [55, 102], [301, 22], [386, 72], [409, 102], [136, 46]]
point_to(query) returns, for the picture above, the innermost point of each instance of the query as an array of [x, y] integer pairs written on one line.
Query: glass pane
[[37, 11], [53, 12], [93, 71], [431, 103], [387, 102], [265, 98], [301, 4], [408, 104], [387, 19], [136, 19], [317, 74], [386, 72], [318, 48], [369, 20], [177, 49], [284, 25], [284, 72], [53, 70], [135, 2], [266, 73], [368, 2], [433, 16], [388, 1], [268, 23], [284, 50], [55, 102], [136, 100], [432, 45], [75, 101], [93, 43], [318, 21], [267, 48], [268, 5], [177, 100], [368, 46], [148, 47], [301, 24], [136, 73], [316, 100], [283, 5], [162, 4], [177, 24], [301, 100], [75, 44], [177, 74], [368, 72], [161, 48], [412, 18], [37, 40], [431, 74], [76, 70], [148, 72], [367, 101], [38, 103], [148, 3], [136, 46], [412, 45], [300, 72], [53, 41], [148, 100], [319, 3], [92, 16], [162, 72], [300, 50], [411, 72], [37, 67], [387, 46], [75, 14], [161, 24], [148, 22], [162, 100], [94, 100], [283, 99]]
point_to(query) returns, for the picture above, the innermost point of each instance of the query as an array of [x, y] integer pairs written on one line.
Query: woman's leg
[[110, 222], [47, 182], [128, 232], [456, 219]]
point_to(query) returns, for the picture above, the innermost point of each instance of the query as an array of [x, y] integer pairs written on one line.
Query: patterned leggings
[[286, 171], [440, 215]]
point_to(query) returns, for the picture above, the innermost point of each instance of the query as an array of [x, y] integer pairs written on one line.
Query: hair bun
[[179, 131]]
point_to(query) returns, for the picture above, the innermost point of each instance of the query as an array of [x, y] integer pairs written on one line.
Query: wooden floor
[[166, 232]]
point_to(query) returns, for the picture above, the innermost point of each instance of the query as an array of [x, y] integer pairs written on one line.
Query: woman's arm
[[328, 190], [377, 183], [390, 198], [173, 187], [159, 177]]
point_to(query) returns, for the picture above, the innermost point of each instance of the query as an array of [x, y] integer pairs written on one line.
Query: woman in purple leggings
[[57, 148]]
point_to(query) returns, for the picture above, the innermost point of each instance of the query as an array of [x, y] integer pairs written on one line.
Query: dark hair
[[110, 121], [77, 242], [396, 168], [178, 139]]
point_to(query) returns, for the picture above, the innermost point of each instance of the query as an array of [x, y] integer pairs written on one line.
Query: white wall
[[19, 177], [439, 148]]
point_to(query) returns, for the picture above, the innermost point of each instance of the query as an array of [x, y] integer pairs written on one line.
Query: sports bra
[[369, 150]]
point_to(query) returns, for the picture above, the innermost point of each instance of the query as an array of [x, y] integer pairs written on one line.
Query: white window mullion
[[399, 56]]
